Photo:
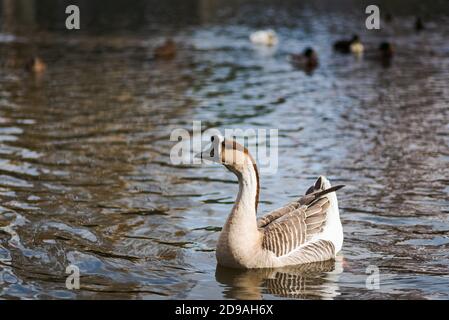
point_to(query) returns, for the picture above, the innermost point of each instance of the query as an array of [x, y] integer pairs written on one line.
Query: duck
[[384, 54], [264, 37], [386, 50], [354, 45], [419, 24], [305, 230], [165, 51], [307, 60], [35, 65]]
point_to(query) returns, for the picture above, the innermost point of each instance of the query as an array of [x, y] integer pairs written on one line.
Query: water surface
[[86, 177]]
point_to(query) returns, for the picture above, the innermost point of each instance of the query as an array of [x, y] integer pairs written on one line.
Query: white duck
[[264, 37], [306, 230]]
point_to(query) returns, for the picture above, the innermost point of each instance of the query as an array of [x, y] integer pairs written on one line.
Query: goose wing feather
[[289, 227], [295, 228]]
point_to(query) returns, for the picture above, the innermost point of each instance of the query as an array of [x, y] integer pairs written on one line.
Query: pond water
[[85, 170]]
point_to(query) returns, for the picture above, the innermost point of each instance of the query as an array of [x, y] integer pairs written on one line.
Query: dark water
[[85, 173]]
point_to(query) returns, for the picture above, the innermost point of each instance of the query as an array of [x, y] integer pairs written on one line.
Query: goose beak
[[205, 156], [211, 154], [198, 156]]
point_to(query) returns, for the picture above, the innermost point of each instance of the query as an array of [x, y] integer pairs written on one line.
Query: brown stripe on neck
[[257, 179], [236, 146]]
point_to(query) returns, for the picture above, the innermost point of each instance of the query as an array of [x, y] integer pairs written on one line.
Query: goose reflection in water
[[317, 280]]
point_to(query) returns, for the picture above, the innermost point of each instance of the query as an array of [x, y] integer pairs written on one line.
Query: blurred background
[[86, 116]]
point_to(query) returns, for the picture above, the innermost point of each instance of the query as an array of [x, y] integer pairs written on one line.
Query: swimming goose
[[304, 231]]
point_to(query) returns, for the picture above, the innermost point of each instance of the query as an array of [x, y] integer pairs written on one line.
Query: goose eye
[[212, 139]]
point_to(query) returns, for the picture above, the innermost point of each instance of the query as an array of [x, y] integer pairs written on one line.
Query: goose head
[[235, 157]]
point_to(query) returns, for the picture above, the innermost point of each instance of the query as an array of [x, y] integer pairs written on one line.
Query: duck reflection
[[317, 280]]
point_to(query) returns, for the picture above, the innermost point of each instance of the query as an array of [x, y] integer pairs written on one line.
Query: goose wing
[[287, 228], [295, 228]]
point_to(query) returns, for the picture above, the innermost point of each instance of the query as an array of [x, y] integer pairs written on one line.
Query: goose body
[[304, 231]]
